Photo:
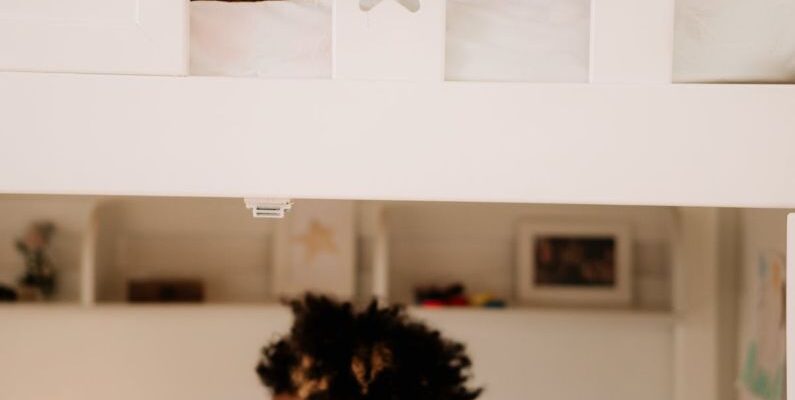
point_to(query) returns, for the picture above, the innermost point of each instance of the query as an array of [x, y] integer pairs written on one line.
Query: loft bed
[[173, 98], [590, 109]]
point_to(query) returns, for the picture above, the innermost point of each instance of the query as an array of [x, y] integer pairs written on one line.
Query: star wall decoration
[[318, 239], [411, 5]]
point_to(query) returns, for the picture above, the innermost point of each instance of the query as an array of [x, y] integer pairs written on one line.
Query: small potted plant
[[38, 280]]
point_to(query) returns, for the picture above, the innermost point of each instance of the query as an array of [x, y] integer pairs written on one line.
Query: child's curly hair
[[336, 353]]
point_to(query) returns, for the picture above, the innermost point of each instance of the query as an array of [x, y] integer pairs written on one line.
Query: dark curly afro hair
[[334, 352]]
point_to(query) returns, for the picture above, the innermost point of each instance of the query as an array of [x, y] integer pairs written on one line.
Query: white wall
[[439, 243], [209, 352]]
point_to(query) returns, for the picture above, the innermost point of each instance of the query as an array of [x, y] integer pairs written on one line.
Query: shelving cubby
[[103, 243]]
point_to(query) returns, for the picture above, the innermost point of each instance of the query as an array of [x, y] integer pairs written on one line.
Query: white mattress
[[276, 39], [505, 40], [509, 40], [518, 40], [735, 40]]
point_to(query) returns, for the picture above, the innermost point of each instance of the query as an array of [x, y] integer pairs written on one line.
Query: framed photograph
[[574, 264]]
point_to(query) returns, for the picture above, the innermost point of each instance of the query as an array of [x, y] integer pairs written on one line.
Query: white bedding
[[735, 40], [509, 40], [275, 39], [504, 40], [518, 40]]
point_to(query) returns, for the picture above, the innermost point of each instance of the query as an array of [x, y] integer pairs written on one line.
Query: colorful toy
[[454, 296]]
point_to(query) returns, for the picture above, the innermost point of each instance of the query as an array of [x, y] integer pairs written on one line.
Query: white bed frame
[[73, 125], [628, 137]]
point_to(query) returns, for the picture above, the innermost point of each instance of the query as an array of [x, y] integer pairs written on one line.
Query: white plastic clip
[[268, 208]]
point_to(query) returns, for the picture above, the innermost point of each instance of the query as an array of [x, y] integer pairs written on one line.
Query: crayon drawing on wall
[[763, 370]]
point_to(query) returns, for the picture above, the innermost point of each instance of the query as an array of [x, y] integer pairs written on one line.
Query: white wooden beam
[[595, 144], [118, 36], [389, 39]]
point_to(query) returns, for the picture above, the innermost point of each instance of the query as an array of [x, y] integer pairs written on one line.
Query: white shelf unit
[[694, 237], [689, 335], [475, 244], [400, 246]]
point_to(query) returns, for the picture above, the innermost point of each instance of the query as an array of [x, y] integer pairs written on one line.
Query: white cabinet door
[[102, 36]]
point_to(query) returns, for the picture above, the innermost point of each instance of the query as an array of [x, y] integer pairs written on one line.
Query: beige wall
[[208, 352]]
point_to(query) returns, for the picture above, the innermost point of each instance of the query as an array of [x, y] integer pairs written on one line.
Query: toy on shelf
[[7, 294], [454, 296], [165, 291], [38, 281]]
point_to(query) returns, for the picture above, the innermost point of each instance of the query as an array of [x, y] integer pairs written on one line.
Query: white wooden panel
[[389, 40], [631, 41], [544, 143], [790, 303], [105, 36]]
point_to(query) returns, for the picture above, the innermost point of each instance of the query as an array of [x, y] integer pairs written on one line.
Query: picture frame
[[315, 249], [574, 264]]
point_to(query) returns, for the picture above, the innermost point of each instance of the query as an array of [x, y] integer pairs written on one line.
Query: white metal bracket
[[389, 40], [268, 208]]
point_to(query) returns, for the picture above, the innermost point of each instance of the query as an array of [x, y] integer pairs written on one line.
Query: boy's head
[[334, 352]]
